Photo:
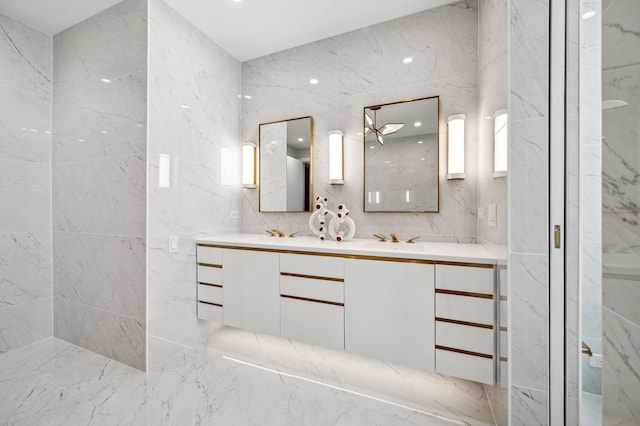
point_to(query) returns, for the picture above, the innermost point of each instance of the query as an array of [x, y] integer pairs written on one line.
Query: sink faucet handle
[[293, 234], [380, 238], [411, 240], [278, 232], [394, 237]]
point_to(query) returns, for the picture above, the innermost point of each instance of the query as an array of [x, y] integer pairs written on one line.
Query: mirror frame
[[259, 165], [364, 160]]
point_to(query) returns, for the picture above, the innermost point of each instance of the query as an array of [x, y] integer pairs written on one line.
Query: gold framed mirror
[[286, 165], [401, 156]]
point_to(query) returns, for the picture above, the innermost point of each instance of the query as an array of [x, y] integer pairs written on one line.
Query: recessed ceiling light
[[372, 147], [589, 14], [419, 141], [300, 139], [313, 81], [139, 125], [104, 132], [185, 106], [80, 140], [106, 81], [387, 162], [239, 96], [359, 133], [417, 124], [34, 130], [407, 60], [47, 132], [247, 96], [237, 1], [422, 159], [274, 142]]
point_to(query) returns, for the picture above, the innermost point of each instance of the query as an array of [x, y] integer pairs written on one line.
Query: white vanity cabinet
[[210, 303], [465, 322], [312, 299], [427, 313], [389, 311], [251, 290]]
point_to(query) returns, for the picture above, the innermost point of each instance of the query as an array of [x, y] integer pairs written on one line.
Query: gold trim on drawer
[[462, 351], [211, 285], [210, 303], [470, 324], [210, 265], [311, 277], [304, 299], [464, 293]]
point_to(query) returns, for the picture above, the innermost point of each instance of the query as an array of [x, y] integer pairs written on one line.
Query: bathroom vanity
[[430, 306]]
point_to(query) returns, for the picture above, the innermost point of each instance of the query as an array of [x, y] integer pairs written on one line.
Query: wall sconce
[[500, 143], [249, 165], [336, 157], [455, 146]]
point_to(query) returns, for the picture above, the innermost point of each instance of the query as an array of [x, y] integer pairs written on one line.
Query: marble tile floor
[[230, 377]]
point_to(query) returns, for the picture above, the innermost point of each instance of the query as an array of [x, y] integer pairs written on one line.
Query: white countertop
[[445, 252], [621, 264]]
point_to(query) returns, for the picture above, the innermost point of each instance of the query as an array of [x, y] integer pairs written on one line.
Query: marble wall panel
[[118, 337], [363, 68], [528, 184], [492, 96], [99, 183], [25, 185], [194, 118]]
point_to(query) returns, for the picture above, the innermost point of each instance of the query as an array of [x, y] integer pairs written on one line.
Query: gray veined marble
[[229, 377]]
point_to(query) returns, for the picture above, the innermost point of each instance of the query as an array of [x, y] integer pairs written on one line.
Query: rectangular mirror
[[401, 156], [286, 165]]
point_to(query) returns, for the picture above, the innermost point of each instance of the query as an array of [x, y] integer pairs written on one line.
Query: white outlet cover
[[492, 215], [173, 244]]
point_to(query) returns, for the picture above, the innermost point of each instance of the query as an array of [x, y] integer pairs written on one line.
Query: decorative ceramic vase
[[321, 217], [342, 227]]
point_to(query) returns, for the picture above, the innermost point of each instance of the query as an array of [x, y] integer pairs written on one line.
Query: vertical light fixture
[[500, 143], [455, 146], [249, 165], [336, 157]]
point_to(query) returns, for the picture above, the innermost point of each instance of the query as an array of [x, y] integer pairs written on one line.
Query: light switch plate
[[492, 215], [173, 244]]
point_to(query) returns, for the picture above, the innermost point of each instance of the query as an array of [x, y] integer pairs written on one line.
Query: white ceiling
[[247, 29]]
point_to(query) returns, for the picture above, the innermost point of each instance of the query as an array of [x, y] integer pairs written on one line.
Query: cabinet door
[[250, 290], [389, 311]]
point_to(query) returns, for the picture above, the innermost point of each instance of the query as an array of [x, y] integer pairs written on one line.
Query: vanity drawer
[[465, 366], [209, 255], [465, 279], [315, 266], [209, 275], [210, 293], [209, 312], [468, 338], [316, 323], [308, 288], [464, 308]]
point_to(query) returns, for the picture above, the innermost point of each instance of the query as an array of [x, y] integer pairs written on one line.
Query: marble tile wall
[[621, 212], [25, 185], [492, 96], [363, 68], [528, 212], [99, 183], [194, 118]]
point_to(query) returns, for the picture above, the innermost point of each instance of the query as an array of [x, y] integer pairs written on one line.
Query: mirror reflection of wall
[[401, 157], [285, 165]]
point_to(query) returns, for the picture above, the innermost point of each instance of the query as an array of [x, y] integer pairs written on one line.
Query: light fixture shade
[[500, 143], [455, 146], [336, 157], [249, 165]]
